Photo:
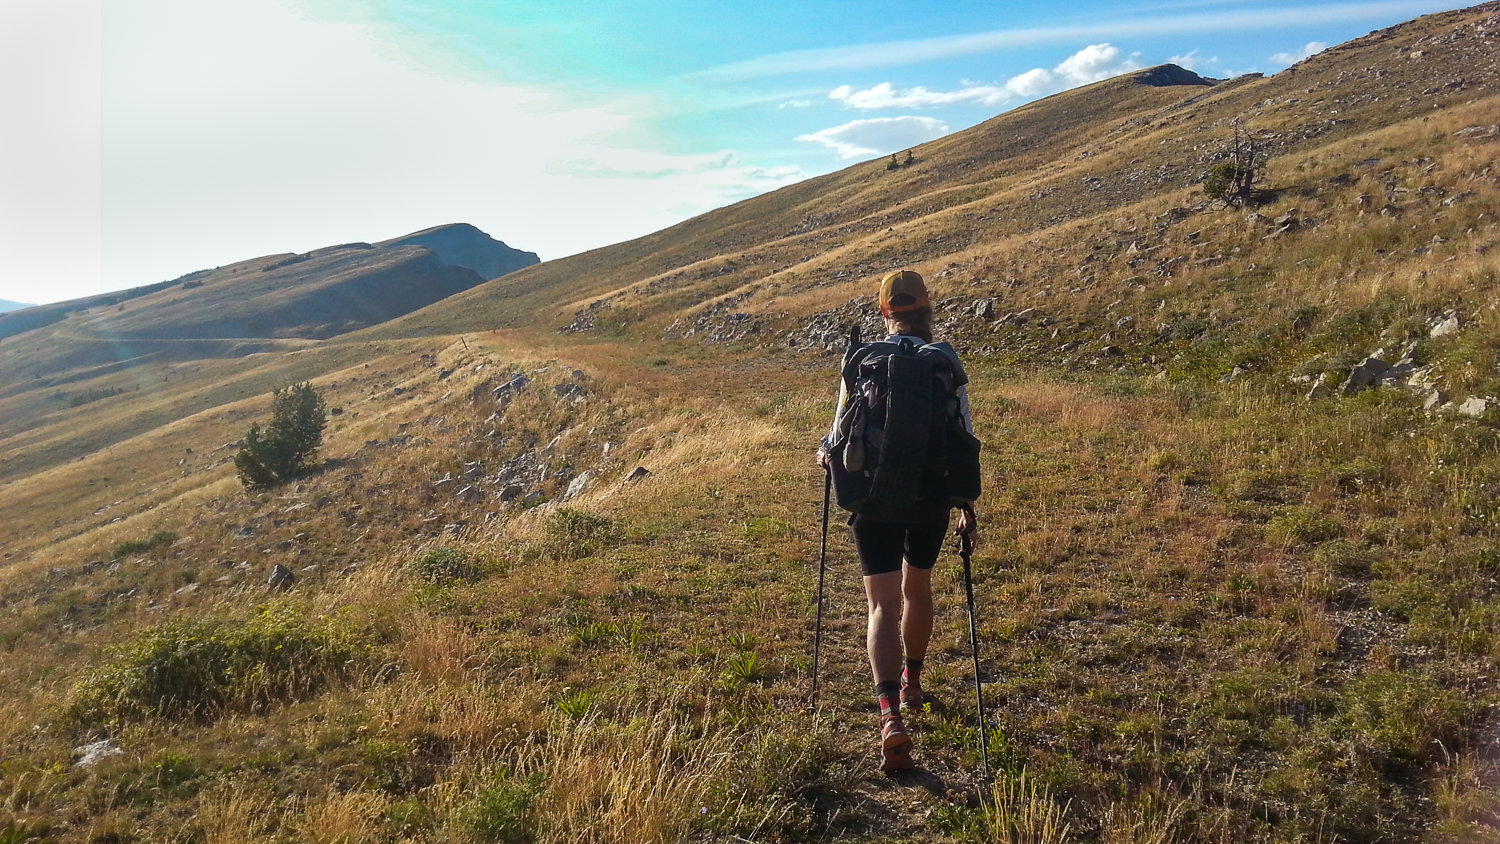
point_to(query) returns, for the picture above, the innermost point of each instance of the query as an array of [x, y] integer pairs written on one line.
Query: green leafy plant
[[287, 447], [502, 811]]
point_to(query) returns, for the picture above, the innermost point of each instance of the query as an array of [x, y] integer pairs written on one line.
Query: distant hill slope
[[1076, 156], [6, 306], [313, 295]]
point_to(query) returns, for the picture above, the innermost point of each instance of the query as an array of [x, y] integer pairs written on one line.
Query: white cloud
[[1091, 64], [1309, 49], [886, 95], [1196, 63], [877, 136], [1032, 83], [796, 104]]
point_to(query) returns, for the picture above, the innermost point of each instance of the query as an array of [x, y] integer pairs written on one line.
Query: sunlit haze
[[146, 139]]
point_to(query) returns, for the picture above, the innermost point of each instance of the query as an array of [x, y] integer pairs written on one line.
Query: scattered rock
[[281, 578], [640, 473], [1444, 326], [1363, 375], [984, 309], [1475, 407], [1478, 132], [1321, 387], [91, 753], [579, 484]]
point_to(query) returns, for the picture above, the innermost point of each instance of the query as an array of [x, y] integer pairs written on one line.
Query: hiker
[[899, 545]]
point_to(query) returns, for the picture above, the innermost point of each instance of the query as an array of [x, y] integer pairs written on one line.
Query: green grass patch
[[160, 539], [206, 667]]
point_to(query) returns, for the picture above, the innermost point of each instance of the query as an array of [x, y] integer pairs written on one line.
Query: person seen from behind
[[898, 548]]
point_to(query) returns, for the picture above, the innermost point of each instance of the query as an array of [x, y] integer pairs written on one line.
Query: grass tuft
[[205, 667]]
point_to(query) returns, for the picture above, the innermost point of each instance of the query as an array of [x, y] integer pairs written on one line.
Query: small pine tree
[[1233, 180], [287, 447]]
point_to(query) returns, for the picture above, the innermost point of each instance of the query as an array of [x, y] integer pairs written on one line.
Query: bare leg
[[883, 635], [916, 618]]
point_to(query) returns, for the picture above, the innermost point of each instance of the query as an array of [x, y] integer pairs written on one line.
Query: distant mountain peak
[[464, 245], [1166, 75]]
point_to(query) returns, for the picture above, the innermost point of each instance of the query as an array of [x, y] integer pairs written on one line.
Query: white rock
[[578, 485], [1444, 328], [94, 751], [1474, 407]]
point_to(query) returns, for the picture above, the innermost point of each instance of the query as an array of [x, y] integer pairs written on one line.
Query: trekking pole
[[965, 550], [822, 567]]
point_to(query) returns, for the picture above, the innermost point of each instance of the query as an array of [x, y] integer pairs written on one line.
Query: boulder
[[1444, 327], [1475, 407], [578, 485], [1363, 375], [281, 578]]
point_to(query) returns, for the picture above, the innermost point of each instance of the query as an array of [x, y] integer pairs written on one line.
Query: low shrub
[[160, 539], [574, 534], [1303, 525], [202, 668], [444, 565]]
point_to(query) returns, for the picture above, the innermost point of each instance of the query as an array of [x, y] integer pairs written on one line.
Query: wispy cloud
[[877, 136], [1196, 63], [1091, 64], [886, 95], [1311, 48], [857, 57]]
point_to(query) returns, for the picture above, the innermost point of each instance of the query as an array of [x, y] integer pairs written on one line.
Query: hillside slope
[[557, 579]]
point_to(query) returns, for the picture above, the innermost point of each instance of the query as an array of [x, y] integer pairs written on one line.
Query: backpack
[[900, 451]]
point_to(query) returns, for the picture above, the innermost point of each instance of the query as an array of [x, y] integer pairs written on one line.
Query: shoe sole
[[897, 758]]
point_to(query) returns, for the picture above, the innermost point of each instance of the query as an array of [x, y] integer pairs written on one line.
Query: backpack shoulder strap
[[858, 355], [944, 352]]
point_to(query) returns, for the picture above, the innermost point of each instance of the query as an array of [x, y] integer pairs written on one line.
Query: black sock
[[888, 694]]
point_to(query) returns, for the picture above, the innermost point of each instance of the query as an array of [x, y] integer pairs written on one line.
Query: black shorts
[[882, 545]]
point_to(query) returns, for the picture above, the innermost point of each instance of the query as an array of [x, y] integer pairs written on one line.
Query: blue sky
[[151, 138]]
